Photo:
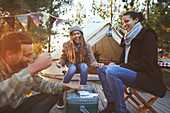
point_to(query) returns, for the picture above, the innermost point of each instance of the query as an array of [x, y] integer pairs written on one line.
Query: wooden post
[[50, 26], [111, 11], [148, 2]]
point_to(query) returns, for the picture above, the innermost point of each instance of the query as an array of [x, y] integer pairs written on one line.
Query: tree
[[39, 35], [103, 8], [160, 21], [78, 17]]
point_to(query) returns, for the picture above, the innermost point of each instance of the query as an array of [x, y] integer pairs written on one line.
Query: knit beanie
[[76, 28]]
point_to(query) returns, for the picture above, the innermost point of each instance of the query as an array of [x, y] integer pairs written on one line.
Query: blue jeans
[[112, 80], [82, 67]]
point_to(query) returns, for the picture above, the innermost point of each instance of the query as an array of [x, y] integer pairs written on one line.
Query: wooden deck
[[162, 105]]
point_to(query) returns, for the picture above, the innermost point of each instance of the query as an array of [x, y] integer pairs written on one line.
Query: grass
[[98, 82]]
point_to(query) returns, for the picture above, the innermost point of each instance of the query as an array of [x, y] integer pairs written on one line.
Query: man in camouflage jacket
[[18, 77]]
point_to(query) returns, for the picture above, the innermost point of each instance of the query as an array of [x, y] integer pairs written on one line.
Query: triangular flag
[[45, 17], [52, 19], [23, 20], [0, 22], [35, 18], [59, 21], [10, 21]]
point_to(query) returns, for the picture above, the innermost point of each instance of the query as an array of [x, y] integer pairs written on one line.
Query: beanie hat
[[76, 28]]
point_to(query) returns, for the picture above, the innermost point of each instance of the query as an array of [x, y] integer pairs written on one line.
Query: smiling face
[[26, 57], [128, 22], [76, 36]]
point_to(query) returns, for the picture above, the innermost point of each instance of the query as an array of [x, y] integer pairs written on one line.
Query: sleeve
[[14, 87], [91, 57], [63, 56], [47, 86]]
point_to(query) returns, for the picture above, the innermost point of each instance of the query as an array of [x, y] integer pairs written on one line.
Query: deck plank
[[162, 105]]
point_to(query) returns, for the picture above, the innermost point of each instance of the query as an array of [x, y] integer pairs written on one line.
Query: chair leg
[[147, 105], [129, 95], [150, 102]]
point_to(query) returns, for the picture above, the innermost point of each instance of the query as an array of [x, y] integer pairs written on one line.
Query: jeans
[[40, 103], [82, 67], [112, 80]]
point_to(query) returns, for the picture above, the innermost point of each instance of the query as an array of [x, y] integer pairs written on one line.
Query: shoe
[[60, 102], [109, 108]]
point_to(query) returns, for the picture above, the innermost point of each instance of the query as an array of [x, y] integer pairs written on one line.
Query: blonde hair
[[71, 50]]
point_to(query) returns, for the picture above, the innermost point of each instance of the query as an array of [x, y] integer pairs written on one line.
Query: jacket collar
[[144, 30]]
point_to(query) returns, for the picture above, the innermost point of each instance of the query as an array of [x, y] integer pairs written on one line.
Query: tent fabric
[[53, 69], [56, 54], [96, 34]]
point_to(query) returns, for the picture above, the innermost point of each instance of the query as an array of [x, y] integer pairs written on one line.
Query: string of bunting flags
[[23, 19]]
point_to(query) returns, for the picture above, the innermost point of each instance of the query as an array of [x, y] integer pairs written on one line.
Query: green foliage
[[79, 16], [39, 35], [159, 20], [103, 9]]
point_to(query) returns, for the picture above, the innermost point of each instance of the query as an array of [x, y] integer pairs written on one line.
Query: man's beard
[[19, 66]]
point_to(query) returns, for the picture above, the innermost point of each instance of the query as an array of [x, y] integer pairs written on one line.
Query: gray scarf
[[129, 37]]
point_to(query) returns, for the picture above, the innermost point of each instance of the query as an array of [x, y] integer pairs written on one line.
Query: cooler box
[[82, 101]]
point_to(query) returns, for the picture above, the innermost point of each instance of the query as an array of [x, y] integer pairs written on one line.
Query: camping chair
[[147, 105]]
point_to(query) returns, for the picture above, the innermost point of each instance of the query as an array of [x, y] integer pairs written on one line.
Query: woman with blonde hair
[[76, 53]]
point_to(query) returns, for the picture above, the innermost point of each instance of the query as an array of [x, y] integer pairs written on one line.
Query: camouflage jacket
[[13, 90]]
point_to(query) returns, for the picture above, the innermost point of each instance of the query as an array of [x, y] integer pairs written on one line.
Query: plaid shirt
[[13, 90]]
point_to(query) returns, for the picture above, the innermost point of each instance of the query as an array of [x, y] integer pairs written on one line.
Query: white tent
[[96, 34], [53, 69], [56, 54]]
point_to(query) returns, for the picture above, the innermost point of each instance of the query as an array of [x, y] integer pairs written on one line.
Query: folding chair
[[147, 105]]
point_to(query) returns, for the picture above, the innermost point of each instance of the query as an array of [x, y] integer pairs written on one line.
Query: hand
[[111, 64], [72, 86], [58, 64], [43, 61], [100, 65]]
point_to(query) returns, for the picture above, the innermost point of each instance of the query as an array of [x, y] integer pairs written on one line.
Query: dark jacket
[[142, 59]]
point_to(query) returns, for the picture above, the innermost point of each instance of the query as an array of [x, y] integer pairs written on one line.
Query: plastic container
[[82, 101]]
